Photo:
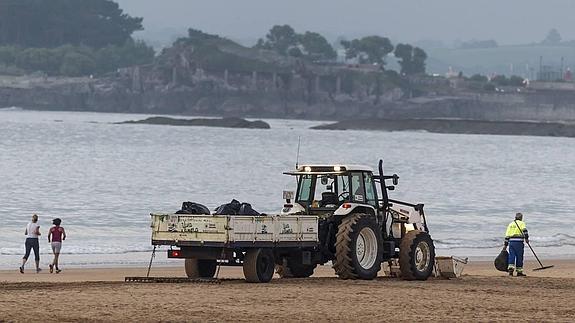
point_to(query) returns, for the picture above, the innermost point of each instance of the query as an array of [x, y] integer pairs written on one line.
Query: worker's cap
[[518, 216]]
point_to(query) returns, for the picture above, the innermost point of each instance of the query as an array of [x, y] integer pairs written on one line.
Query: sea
[[104, 179]]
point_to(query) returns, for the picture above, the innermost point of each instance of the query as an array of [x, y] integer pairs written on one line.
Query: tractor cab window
[[343, 188], [357, 188], [305, 189], [325, 191], [370, 196]]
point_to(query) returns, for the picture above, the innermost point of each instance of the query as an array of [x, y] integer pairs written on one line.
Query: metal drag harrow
[[172, 280]]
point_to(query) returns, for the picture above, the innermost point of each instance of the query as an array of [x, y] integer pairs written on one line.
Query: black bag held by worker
[[501, 260]]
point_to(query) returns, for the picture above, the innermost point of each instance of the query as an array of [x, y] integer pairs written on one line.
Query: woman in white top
[[32, 233]]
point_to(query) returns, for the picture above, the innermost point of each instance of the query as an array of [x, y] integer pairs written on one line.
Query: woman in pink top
[[55, 237]]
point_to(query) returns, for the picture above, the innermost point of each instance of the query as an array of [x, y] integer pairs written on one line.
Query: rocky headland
[[215, 77]]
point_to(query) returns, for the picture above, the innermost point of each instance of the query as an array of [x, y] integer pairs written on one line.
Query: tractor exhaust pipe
[[383, 186]]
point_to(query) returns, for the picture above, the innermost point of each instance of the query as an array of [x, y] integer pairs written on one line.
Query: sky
[[506, 21]]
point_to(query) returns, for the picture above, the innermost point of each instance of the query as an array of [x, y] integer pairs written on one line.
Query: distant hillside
[[523, 59]]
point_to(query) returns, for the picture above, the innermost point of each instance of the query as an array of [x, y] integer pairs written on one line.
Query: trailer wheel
[[416, 255], [358, 248], [200, 268], [291, 268], [259, 265]]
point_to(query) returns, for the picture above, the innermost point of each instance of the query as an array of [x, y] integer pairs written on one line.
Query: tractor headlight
[[307, 169], [336, 168]]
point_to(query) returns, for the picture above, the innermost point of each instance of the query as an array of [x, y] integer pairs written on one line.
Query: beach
[[481, 294]]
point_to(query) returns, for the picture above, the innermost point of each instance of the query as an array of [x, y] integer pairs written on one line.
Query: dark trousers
[[516, 255], [32, 243]]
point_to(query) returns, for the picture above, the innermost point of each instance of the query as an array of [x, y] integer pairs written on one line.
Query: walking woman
[[32, 233], [55, 237]]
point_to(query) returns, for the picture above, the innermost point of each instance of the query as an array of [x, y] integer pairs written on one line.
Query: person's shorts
[[56, 246]]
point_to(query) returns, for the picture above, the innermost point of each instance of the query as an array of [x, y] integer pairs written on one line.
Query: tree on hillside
[[316, 46], [285, 41], [279, 39], [370, 49], [552, 38], [412, 59], [52, 23]]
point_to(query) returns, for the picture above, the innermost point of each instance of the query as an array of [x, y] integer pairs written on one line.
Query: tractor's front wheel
[[416, 255], [259, 265], [200, 268], [358, 248]]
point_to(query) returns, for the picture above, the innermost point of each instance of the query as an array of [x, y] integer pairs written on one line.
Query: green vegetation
[[285, 41], [54, 23], [68, 37], [71, 60], [502, 80], [479, 78], [316, 46], [553, 38], [214, 53], [368, 50], [412, 59]]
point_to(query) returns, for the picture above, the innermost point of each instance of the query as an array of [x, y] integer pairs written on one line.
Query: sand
[[481, 294]]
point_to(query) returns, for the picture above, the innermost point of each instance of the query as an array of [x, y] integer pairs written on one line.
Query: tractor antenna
[[297, 156]]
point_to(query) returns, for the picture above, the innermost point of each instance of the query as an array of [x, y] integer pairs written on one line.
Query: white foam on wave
[[11, 109], [80, 250]]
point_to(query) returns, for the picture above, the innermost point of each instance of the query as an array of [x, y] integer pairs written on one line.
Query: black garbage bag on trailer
[[501, 260], [232, 208], [193, 208], [246, 209], [236, 208]]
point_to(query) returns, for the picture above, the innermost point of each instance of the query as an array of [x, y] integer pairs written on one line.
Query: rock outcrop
[[552, 129], [219, 122]]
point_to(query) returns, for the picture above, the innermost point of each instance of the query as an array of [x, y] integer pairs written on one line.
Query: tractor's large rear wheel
[[358, 248], [200, 268], [259, 265], [416, 255], [293, 267]]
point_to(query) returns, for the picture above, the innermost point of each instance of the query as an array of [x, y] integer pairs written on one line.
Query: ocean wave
[[557, 240]]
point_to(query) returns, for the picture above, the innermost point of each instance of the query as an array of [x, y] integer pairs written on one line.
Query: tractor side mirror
[[395, 179], [324, 180], [288, 196]]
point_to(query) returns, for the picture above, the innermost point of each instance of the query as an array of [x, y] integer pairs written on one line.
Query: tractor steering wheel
[[342, 196]]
